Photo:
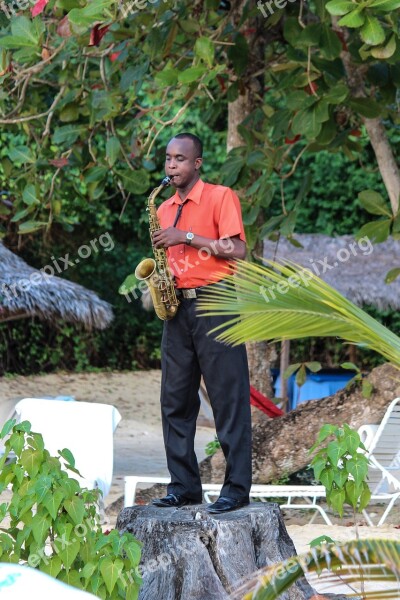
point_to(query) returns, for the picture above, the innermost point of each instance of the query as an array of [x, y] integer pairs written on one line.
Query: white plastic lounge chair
[[262, 492], [383, 450], [85, 428]]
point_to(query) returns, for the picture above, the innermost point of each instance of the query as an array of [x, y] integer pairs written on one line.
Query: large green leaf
[[330, 45], [355, 18], [31, 461], [239, 53], [386, 50], [374, 203], [307, 122], [136, 182], [29, 195], [111, 571], [392, 275], [335, 451], [366, 107], [51, 566], [205, 49], [231, 168], [376, 231], [89, 14], [31, 226], [339, 7], [22, 154], [133, 552], [68, 134], [52, 502], [68, 552], [385, 5], [40, 528], [75, 507], [24, 33], [192, 74], [42, 487], [310, 35], [372, 32]]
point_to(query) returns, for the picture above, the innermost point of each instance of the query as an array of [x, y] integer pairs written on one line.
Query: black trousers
[[187, 353]]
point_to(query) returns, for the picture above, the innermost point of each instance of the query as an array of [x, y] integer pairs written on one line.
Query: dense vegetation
[[133, 339], [91, 93]]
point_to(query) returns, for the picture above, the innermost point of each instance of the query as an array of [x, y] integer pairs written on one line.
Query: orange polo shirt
[[211, 211]]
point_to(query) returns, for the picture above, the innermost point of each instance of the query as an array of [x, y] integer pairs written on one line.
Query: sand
[[139, 450]]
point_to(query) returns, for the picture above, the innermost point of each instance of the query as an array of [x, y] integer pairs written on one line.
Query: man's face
[[181, 162]]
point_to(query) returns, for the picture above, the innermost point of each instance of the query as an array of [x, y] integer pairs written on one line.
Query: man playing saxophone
[[202, 230]]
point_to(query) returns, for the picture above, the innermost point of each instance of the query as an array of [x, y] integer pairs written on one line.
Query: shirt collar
[[194, 194]]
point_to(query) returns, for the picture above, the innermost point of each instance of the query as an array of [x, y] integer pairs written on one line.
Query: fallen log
[[280, 446]]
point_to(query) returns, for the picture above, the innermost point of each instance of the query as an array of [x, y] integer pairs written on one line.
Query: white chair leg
[[388, 509]]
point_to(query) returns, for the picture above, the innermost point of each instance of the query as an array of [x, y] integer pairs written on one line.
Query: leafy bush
[[342, 468], [53, 522]]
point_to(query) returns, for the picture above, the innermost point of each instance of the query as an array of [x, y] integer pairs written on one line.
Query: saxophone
[[160, 284]]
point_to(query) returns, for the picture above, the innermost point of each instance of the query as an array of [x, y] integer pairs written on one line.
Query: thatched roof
[[358, 268], [26, 292]]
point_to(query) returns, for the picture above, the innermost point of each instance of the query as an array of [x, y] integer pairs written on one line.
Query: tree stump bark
[[189, 554]]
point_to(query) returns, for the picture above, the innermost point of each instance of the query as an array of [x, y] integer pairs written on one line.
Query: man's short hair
[[197, 143]]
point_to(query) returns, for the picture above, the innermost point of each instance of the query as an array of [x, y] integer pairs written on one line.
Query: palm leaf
[[285, 301], [351, 562]]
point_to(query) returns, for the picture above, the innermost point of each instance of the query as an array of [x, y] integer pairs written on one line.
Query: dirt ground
[[138, 444]]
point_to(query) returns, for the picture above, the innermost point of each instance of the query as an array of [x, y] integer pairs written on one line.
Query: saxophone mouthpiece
[[166, 180]]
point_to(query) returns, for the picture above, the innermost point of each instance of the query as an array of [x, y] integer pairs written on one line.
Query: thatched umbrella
[[357, 269], [29, 292]]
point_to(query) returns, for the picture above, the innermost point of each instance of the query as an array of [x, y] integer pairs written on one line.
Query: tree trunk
[[259, 354], [280, 446], [375, 128], [189, 554]]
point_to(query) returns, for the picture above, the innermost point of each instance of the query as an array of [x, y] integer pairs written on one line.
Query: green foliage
[[301, 371], [212, 447], [53, 523], [379, 230], [283, 301], [330, 205], [109, 85], [342, 468], [354, 562], [366, 385]]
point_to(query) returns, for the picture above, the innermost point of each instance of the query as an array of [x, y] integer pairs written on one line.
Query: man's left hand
[[164, 238]]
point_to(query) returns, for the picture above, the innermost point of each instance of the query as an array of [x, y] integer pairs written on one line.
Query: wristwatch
[[189, 237]]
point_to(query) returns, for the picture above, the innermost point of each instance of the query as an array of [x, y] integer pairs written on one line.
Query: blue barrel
[[317, 385]]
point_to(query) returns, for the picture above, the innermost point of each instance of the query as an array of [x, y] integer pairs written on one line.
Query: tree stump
[[189, 554]]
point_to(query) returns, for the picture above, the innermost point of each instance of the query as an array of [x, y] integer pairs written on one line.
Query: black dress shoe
[[225, 504], [173, 501]]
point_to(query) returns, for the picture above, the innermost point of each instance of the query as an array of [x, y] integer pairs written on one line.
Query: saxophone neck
[[166, 181]]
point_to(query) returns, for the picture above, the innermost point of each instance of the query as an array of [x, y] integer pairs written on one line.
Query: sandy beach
[[139, 450]]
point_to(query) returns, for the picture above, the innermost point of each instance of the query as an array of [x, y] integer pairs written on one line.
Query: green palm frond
[[369, 561], [285, 301]]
